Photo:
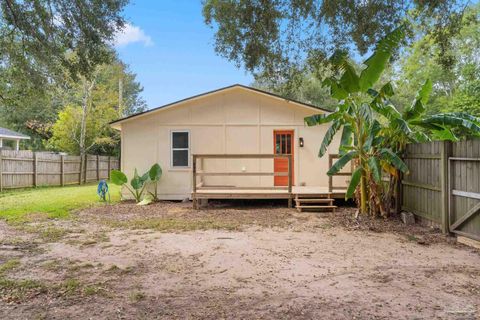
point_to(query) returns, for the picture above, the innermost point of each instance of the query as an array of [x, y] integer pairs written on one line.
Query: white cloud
[[132, 34]]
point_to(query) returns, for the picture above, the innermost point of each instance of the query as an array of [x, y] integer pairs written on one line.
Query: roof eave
[[14, 137], [117, 123]]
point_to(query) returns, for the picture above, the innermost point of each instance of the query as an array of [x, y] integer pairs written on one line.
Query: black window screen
[[180, 149]]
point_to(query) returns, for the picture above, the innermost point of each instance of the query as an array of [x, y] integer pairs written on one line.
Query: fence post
[[85, 160], [445, 151], [1, 171], [62, 170], [98, 168], [35, 164], [80, 169], [108, 168]]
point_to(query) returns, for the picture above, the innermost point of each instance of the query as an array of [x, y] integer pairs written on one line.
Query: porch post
[[17, 144], [290, 180], [194, 181], [445, 181]]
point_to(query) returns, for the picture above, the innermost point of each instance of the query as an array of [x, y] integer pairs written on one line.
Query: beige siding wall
[[234, 121]]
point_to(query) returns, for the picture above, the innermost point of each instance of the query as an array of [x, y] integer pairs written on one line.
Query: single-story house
[[10, 135], [249, 124]]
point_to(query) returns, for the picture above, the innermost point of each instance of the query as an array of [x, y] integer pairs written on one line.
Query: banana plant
[[355, 116], [413, 125], [374, 132], [137, 184]]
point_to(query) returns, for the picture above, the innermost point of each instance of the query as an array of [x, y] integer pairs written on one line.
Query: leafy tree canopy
[[35, 35], [278, 37], [103, 107], [34, 112], [454, 89]]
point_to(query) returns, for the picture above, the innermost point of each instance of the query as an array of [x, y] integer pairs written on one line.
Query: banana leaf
[[377, 62], [327, 139], [390, 157], [340, 163], [355, 180], [374, 165]]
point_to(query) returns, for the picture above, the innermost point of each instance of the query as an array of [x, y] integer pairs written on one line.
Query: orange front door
[[282, 144]]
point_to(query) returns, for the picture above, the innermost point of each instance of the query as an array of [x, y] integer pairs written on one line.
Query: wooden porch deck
[[289, 192], [259, 193]]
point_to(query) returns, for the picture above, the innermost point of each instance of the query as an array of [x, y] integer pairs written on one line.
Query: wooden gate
[[444, 185], [464, 189]]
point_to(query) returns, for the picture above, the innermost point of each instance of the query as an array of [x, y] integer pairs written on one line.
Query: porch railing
[[201, 173]]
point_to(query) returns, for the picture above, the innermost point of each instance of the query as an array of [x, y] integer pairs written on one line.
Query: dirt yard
[[167, 261]]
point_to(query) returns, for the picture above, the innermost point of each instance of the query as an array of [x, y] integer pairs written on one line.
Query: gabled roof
[[218, 91], [10, 134]]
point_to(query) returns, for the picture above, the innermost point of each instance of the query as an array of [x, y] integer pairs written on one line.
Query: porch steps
[[307, 202]]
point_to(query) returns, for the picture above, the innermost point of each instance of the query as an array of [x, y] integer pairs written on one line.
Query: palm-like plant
[[360, 141], [374, 132], [413, 125]]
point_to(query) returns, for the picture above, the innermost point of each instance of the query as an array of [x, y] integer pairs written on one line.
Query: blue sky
[[171, 50]]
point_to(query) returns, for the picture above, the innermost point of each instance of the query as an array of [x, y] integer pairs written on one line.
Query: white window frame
[[172, 149]]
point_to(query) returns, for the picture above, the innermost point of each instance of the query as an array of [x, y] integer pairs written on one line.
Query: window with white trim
[[180, 149]]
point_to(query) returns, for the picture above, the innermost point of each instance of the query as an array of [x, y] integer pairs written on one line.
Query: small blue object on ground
[[102, 190]]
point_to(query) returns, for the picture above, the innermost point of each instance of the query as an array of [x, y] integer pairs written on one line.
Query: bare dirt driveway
[[167, 261]]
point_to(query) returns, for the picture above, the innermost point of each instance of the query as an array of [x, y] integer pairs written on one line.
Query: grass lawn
[[55, 202]]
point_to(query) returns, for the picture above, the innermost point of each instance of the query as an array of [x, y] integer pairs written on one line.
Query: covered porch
[[7, 135]]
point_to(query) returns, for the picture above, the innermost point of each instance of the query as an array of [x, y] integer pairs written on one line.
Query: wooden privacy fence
[[23, 169], [443, 185]]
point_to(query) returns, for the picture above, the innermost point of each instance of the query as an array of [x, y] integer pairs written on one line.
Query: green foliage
[[276, 39], [102, 108], [357, 104], [118, 177], [302, 85], [138, 182], [340, 163], [377, 62], [354, 181], [329, 135], [390, 157], [155, 173], [36, 35], [455, 89], [375, 126], [374, 165], [417, 108]]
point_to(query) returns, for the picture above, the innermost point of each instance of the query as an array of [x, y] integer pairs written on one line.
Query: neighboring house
[[231, 120], [9, 135]]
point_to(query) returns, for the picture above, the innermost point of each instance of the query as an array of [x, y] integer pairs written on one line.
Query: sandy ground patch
[[169, 261]]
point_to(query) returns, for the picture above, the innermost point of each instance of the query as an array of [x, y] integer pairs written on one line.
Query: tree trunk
[[363, 193], [87, 89], [120, 97]]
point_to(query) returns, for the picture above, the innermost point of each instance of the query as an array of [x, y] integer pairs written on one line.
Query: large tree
[[277, 38], [454, 89], [37, 39], [88, 105], [35, 35]]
